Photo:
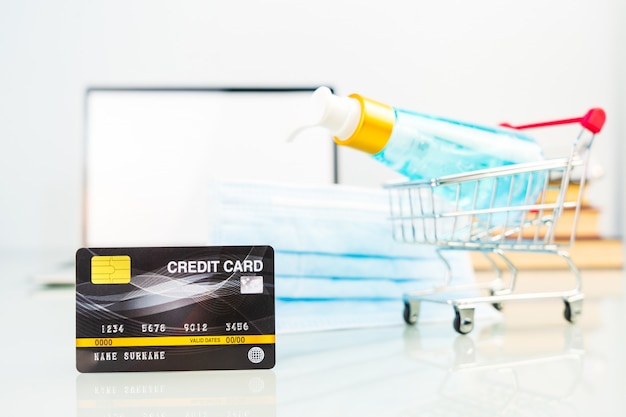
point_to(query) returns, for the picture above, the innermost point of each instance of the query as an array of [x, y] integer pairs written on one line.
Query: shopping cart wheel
[[411, 311], [497, 306], [463, 319], [573, 308]]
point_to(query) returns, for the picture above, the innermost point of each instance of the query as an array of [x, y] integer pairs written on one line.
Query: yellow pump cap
[[354, 121], [374, 126]]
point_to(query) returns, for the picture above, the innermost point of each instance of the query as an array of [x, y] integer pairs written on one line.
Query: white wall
[[484, 60]]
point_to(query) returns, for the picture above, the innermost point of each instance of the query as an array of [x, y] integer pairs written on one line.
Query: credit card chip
[[110, 269]]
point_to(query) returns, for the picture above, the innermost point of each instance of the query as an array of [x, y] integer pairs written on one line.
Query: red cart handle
[[592, 121]]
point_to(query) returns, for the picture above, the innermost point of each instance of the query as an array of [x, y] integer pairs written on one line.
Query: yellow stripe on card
[[110, 269], [98, 342]]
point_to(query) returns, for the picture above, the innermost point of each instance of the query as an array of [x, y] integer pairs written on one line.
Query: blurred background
[[486, 61]]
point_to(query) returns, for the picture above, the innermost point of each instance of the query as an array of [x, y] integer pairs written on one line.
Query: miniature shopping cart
[[420, 216]]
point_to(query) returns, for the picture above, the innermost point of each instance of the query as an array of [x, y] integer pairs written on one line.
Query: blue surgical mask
[[336, 262]]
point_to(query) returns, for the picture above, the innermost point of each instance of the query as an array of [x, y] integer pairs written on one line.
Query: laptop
[[151, 154]]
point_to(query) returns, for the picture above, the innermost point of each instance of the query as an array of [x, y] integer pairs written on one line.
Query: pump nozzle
[[354, 121], [340, 115]]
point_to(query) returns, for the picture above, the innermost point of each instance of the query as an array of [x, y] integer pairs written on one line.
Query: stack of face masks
[[336, 263]]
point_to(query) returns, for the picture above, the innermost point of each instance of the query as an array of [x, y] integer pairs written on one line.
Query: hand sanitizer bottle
[[423, 147]]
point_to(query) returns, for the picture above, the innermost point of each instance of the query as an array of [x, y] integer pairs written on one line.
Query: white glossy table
[[533, 363]]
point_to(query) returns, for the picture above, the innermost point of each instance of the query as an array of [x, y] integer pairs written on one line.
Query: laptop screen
[[151, 154]]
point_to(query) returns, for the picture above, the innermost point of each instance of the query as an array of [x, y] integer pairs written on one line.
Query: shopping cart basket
[[420, 216]]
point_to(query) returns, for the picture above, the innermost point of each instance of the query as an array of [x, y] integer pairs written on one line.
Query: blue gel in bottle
[[423, 147]]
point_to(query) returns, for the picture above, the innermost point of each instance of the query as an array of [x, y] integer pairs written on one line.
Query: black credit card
[[175, 308]]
